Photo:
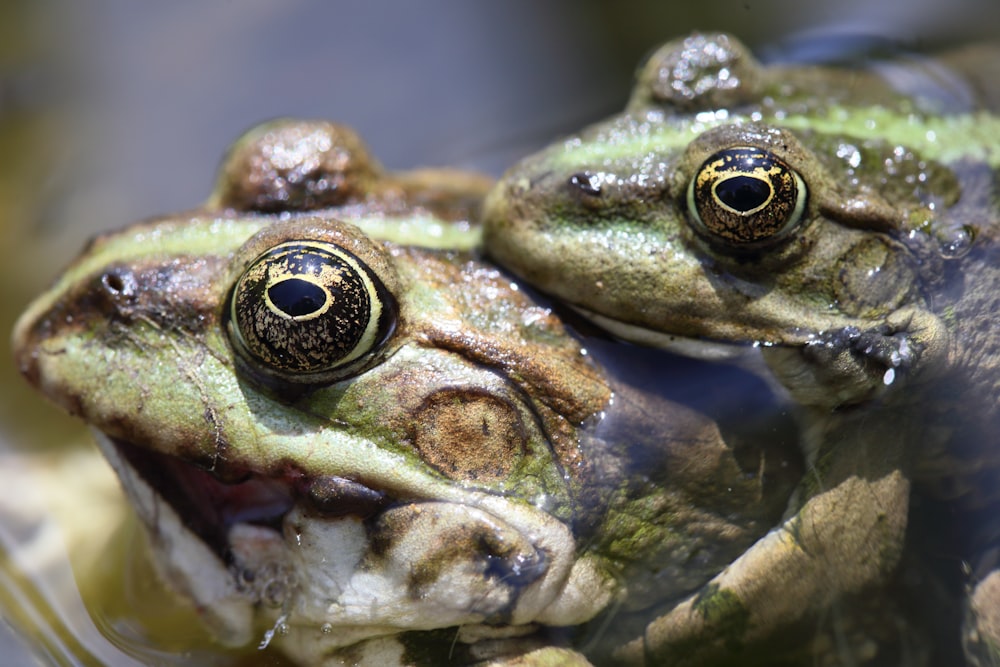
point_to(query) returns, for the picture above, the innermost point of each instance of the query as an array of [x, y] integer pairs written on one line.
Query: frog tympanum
[[345, 433], [833, 228]]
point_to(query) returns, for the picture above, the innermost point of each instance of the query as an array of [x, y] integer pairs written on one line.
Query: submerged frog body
[[835, 229], [370, 450]]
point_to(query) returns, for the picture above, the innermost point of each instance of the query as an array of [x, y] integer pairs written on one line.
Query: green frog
[[348, 436], [833, 228]]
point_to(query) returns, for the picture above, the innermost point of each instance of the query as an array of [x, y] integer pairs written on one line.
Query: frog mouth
[[207, 506], [684, 345], [210, 505], [741, 354], [236, 547]]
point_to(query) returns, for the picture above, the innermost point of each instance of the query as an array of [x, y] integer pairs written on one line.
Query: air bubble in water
[[960, 244]]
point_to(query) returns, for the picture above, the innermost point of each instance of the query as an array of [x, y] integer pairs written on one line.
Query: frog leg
[[549, 656], [843, 534], [434, 648], [851, 366], [982, 622], [981, 626]]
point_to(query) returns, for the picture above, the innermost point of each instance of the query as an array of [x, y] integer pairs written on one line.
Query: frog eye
[[746, 196], [309, 312]]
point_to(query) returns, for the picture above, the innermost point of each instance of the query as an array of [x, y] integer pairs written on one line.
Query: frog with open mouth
[[832, 227], [348, 436]]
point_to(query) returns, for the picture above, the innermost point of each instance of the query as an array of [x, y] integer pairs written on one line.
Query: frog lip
[[688, 346], [742, 354], [209, 506]]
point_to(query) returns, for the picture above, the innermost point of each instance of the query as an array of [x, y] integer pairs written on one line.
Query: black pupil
[[297, 297], [743, 193]]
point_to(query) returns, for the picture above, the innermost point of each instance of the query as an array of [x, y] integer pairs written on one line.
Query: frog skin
[[421, 467], [832, 227]]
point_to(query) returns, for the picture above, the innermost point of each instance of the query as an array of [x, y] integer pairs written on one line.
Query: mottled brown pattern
[[468, 435]]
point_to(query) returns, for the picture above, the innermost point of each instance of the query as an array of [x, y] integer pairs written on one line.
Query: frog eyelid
[[746, 197], [309, 312]]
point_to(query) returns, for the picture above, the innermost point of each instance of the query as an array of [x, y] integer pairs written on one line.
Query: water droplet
[[326, 628], [889, 377], [960, 244], [904, 350]]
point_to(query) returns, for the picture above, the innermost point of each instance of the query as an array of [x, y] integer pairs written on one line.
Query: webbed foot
[[851, 365]]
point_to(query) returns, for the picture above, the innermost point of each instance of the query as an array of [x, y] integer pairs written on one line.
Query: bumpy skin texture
[[453, 491], [866, 290]]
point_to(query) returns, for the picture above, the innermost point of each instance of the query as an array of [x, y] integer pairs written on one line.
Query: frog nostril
[[118, 282], [587, 183], [113, 282], [113, 290], [106, 294]]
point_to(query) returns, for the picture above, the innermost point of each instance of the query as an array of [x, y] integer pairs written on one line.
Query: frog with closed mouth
[[832, 227], [348, 436]]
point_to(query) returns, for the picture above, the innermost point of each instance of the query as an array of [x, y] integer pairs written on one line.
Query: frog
[[832, 227], [351, 438]]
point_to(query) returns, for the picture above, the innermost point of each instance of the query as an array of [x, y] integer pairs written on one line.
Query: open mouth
[[337, 551], [209, 504]]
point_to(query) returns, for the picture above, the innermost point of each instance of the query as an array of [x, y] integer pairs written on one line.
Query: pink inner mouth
[[209, 506]]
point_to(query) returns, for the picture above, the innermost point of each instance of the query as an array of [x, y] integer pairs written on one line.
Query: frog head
[[334, 431], [767, 206]]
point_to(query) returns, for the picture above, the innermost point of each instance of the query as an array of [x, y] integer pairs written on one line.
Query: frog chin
[[260, 556], [745, 355]]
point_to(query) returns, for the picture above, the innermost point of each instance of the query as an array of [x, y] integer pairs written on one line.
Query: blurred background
[[112, 110]]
